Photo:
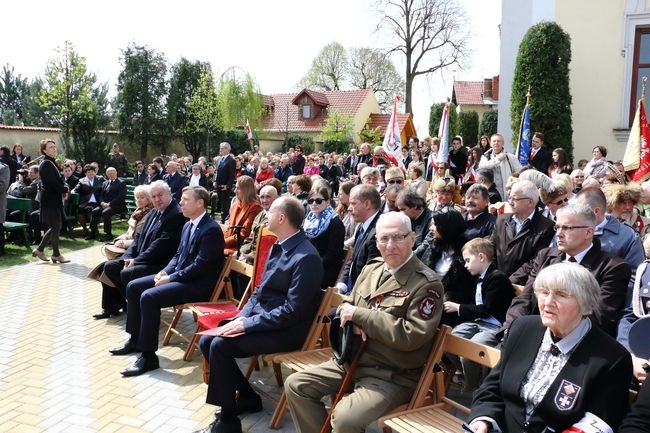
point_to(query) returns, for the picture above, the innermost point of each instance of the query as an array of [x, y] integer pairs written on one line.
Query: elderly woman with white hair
[[557, 372]]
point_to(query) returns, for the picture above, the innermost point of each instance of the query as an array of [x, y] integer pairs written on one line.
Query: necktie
[[479, 281], [384, 277], [357, 240], [572, 260]]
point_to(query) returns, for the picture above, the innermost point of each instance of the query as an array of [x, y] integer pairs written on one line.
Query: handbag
[[343, 340]]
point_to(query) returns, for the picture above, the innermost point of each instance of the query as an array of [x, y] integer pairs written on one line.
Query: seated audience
[[175, 179], [485, 177], [190, 276], [264, 174], [417, 183], [247, 251], [196, 177], [276, 318], [343, 210], [479, 221], [398, 339], [300, 188], [557, 372], [441, 251], [89, 189], [243, 211], [112, 200], [326, 232], [576, 243], [152, 248], [482, 318], [364, 206], [412, 205], [443, 189], [19, 156], [142, 196], [518, 236]]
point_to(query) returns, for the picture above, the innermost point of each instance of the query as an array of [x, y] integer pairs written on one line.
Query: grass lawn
[[21, 254]]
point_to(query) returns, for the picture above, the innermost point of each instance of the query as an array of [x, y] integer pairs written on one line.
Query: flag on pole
[[443, 135], [524, 145], [249, 131], [392, 142], [636, 160]]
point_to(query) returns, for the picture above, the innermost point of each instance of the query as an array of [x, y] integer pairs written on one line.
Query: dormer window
[[305, 111]]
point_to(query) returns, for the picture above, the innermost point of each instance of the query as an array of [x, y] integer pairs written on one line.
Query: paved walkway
[[57, 376]]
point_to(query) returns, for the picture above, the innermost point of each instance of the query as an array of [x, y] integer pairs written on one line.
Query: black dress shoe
[[129, 347], [106, 238], [218, 426], [90, 236], [249, 405], [141, 366], [105, 314]]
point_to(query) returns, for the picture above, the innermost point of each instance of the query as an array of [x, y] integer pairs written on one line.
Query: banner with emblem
[[249, 131], [392, 141], [523, 144], [636, 160]]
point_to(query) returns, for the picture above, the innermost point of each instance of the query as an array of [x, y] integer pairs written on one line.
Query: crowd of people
[[428, 242]]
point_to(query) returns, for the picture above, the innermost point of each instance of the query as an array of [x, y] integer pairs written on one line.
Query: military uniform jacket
[[400, 317]]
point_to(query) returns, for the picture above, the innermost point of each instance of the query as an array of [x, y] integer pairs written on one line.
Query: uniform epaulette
[[428, 273]]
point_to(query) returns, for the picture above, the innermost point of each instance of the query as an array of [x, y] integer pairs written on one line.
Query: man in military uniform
[[118, 160], [396, 304]]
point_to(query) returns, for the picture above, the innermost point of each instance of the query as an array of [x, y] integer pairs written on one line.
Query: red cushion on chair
[[264, 248], [215, 307], [209, 321]]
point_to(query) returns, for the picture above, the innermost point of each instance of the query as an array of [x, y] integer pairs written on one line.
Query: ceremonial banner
[[392, 143], [636, 160], [523, 146], [443, 135]]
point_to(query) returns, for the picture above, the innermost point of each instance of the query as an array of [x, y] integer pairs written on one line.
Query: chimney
[[495, 87], [487, 88]]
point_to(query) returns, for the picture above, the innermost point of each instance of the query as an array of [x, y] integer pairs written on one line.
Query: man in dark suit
[[478, 220], [540, 156], [364, 206], [70, 180], [89, 189], [276, 318], [112, 201], [175, 180], [190, 276], [576, 243], [457, 158], [351, 162], [224, 179], [365, 156], [334, 173], [152, 248], [140, 175], [518, 236]]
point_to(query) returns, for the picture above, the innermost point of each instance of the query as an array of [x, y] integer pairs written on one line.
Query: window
[[306, 109], [641, 66]]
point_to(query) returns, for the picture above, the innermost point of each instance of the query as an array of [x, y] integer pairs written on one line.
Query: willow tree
[[238, 101]]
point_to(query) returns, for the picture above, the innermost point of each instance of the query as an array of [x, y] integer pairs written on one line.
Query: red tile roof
[[285, 115], [382, 120], [468, 92]]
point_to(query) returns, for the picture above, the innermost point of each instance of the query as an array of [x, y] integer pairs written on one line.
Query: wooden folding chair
[[436, 418], [231, 306], [308, 355], [219, 287]]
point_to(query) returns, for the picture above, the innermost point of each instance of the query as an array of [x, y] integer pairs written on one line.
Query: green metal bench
[[71, 210], [22, 207], [131, 205]]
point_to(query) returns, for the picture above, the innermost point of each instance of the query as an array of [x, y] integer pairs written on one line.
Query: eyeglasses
[[557, 227], [518, 198], [315, 200], [559, 202], [559, 295], [383, 240], [577, 175], [394, 181]]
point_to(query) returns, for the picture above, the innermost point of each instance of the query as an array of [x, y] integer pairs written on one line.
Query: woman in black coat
[[326, 232], [441, 250], [54, 187], [558, 372]]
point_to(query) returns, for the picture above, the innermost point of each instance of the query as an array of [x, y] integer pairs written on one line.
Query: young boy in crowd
[[482, 319]]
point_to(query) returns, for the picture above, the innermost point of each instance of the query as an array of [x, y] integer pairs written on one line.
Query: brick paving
[[56, 374]]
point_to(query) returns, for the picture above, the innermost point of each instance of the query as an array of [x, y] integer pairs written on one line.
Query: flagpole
[[644, 84]]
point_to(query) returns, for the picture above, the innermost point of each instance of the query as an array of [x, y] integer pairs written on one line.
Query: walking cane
[[344, 386]]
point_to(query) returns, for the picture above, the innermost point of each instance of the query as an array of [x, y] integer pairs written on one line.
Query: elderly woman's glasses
[[559, 295]]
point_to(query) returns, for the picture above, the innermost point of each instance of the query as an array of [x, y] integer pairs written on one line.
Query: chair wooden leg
[[191, 346], [278, 414], [277, 369], [172, 325], [253, 365]]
